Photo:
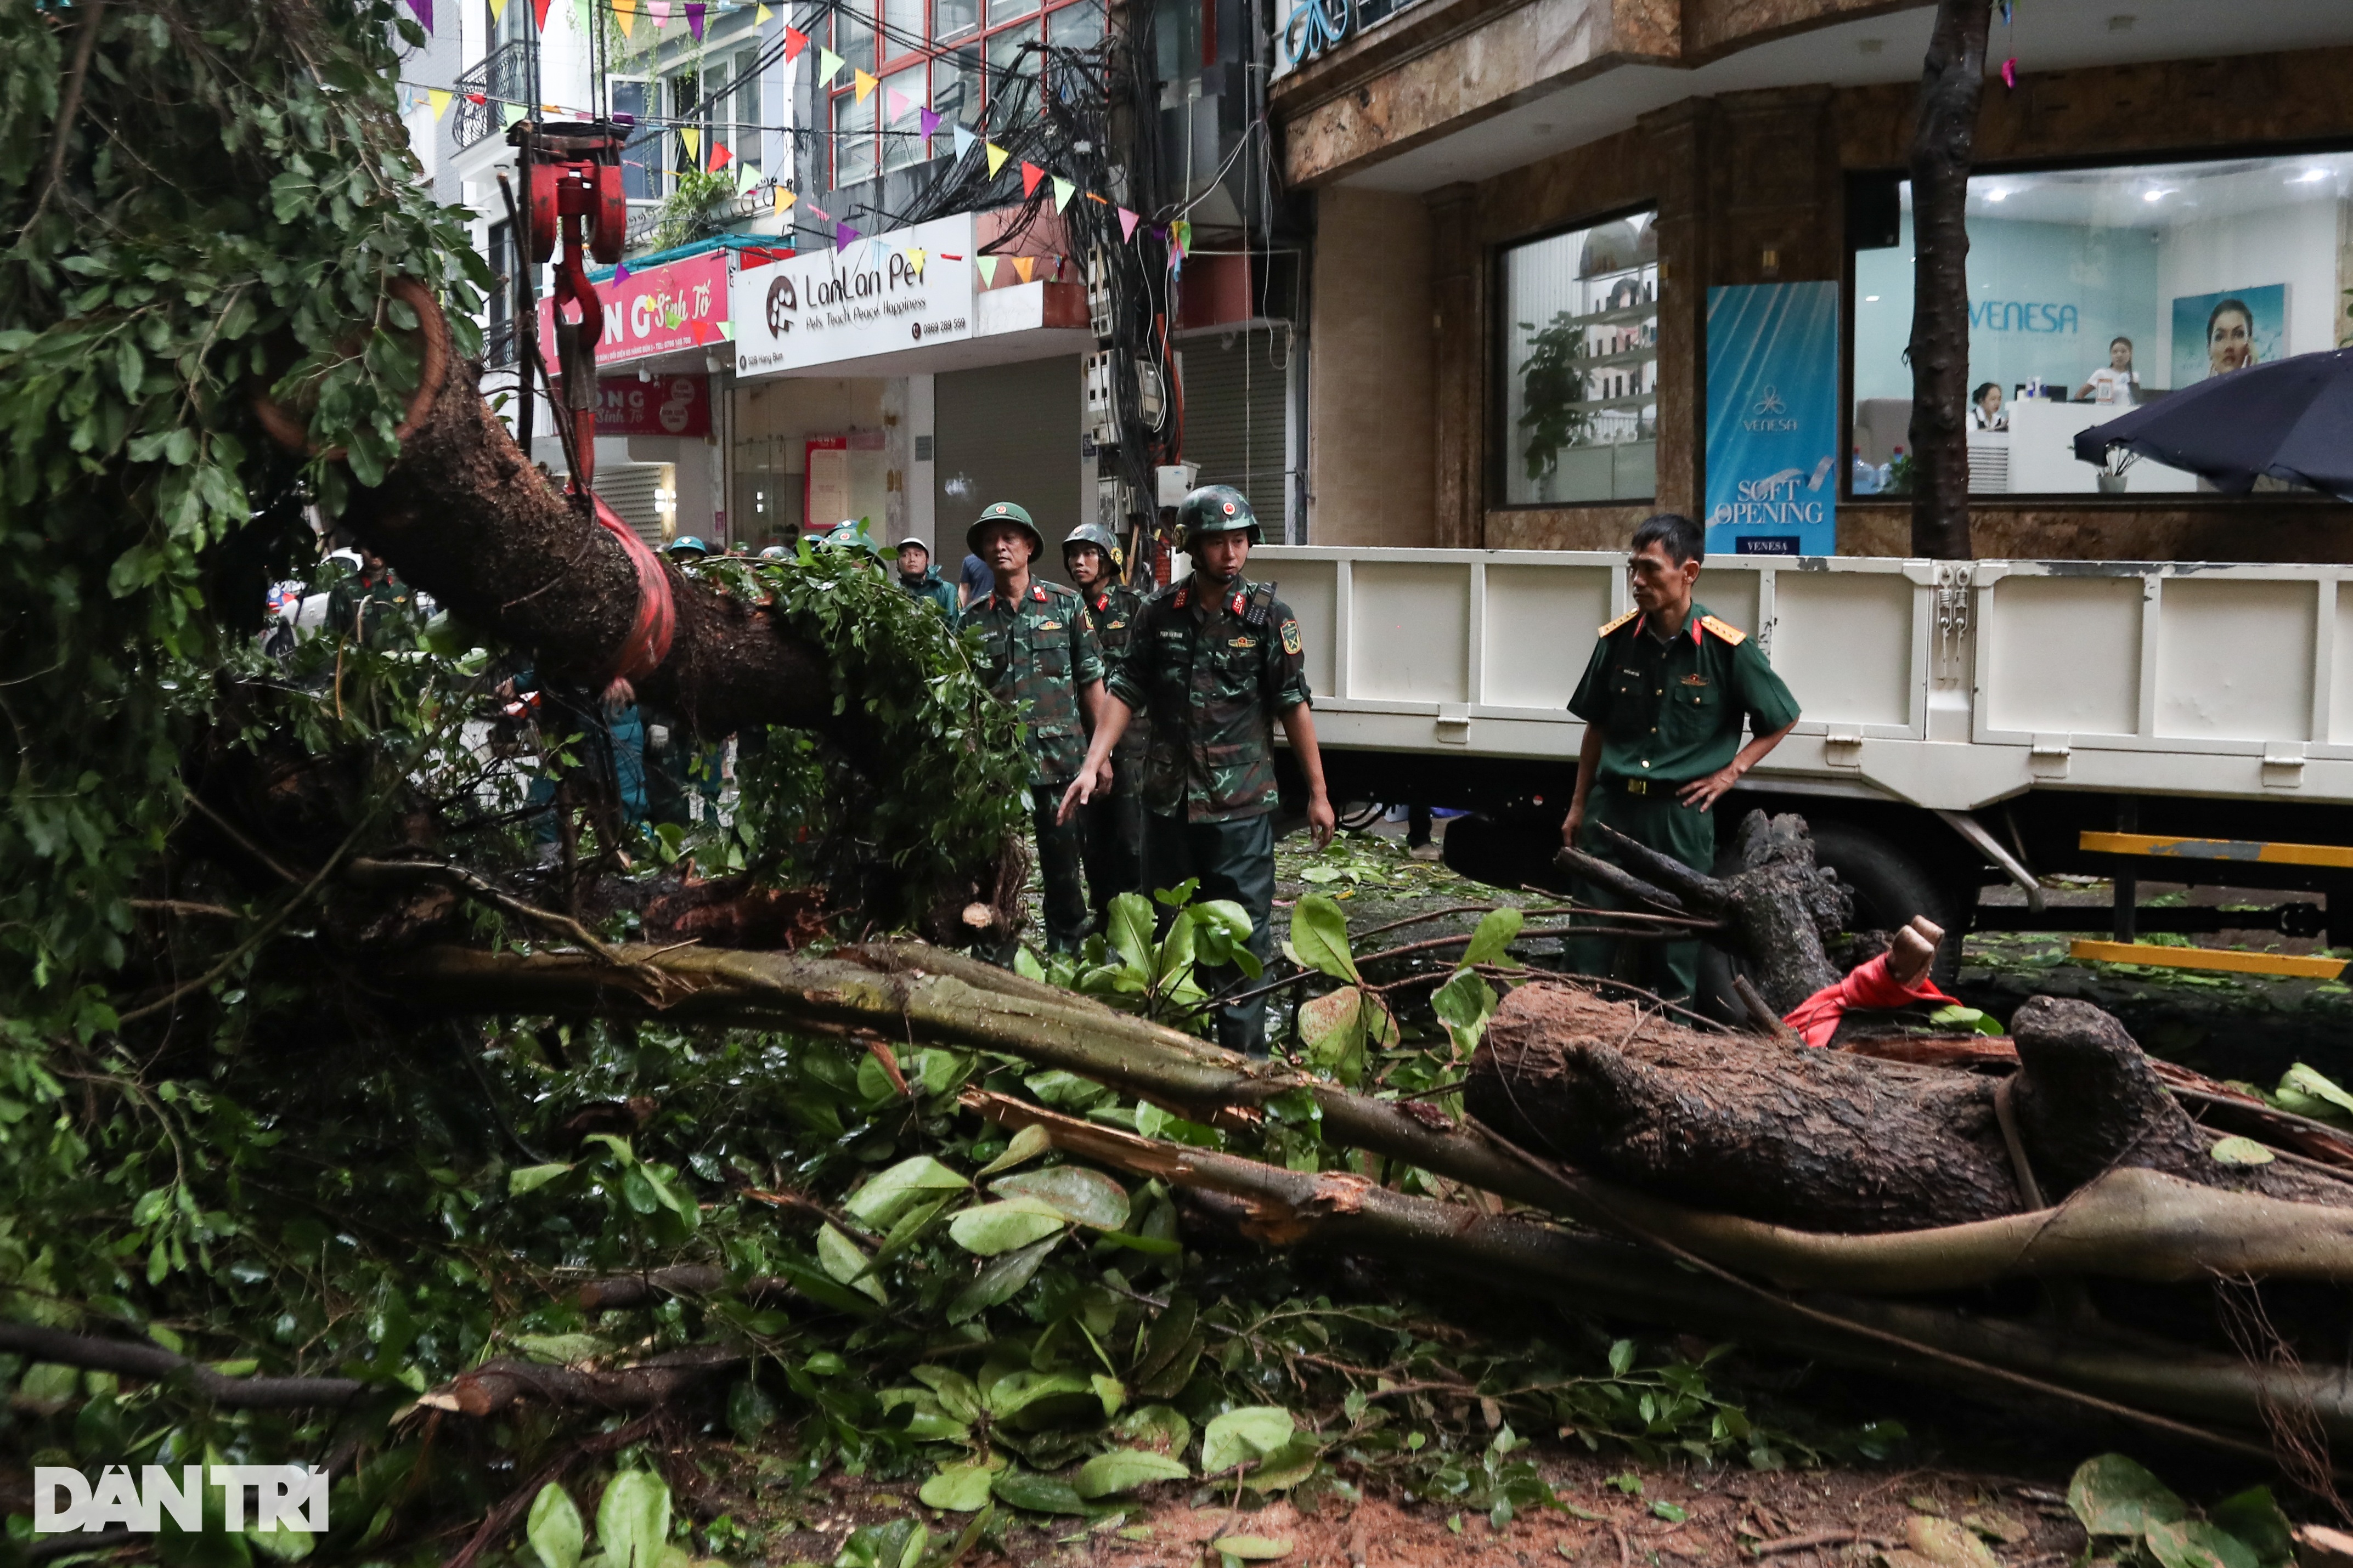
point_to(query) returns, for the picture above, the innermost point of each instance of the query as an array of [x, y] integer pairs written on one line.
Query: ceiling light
[[1997, 195], [2159, 194], [2309, 176], [1871, 298]]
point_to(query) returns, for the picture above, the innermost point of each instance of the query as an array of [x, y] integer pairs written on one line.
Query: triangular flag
[[820, 212], [746, 177], [915, 258], [996, 156], [964, 141], [785, 200], [719, 156], [424, 10], [701, 330], [660, 11], [1024, 265], [987, 264], [794, 42], [867, 83], [760, 17], [693, 140], [844, 236], [1063, 190], [1126, 223], [727, 330], [828, 66], [1030, 175], [897, 102], [620, 273], [928, 121], [498, 9], [478, 98], [509, 114], [438, 97], [1180, 235], [627, 12], [693, 18], [539, 15]]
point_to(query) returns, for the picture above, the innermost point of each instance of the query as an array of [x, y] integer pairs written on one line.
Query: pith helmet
[[911, 538], [687, 544], [1215, 509], [1006, 512], [850, 534], [1099, 536]]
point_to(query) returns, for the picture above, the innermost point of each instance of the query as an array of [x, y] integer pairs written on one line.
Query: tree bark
[[1952, 83]]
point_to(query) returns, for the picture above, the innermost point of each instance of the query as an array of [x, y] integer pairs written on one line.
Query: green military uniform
[[1670, 710], [1038, 654], [1212, 675], [368, 607]]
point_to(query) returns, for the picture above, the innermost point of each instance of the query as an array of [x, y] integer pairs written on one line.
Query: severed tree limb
[[496, 1384], [625, 1290], [126, 1357], [1283, 1208], [2134, 1224]]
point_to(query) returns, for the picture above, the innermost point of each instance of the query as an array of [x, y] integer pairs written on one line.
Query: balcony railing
[[508, 74]]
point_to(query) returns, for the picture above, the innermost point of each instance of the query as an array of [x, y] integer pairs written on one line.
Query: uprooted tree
[[351, 1095]]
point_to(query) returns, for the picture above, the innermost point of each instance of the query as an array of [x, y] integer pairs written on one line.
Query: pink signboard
[[666, 406], [660, 310]]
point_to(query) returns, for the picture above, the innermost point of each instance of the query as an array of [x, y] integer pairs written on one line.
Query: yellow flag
[[785, 199], [760, 17], [915, 258], [866, 84], [497, 7], [996, 156], [693, 140], [439, 97], [1024, 265], [626, 13]]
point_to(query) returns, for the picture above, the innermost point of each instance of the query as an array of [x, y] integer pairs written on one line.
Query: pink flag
[[896, 101], [1126, 223]]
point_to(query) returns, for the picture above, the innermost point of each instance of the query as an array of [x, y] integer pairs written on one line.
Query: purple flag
[[424, 10], [844, 236], [694, 9], [929, 121], [620, 273]]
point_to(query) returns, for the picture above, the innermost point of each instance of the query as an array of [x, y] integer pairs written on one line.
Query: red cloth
[[1816, 1018]]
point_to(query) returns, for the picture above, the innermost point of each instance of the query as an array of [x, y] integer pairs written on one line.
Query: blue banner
[[1772, 419]]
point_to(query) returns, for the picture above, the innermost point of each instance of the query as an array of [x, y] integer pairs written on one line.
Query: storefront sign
[[1772, 419], [907, 289], [660, 310], [666, 406]]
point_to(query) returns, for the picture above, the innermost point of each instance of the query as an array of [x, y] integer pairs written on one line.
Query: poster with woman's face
[[2227, 331]]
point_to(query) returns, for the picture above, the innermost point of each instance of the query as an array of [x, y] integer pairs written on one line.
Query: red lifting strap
[[648, 642]]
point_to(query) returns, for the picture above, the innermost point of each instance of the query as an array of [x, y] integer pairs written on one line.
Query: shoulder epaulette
[[1038, 591], [1166, 591], [1609, 627], [1729, 633]]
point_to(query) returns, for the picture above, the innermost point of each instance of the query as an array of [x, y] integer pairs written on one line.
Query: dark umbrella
[[2292, 419]]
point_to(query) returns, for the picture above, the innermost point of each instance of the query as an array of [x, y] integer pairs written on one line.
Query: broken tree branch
[[154, 1363]]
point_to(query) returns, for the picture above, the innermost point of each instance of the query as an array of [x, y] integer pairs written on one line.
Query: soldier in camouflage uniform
[[1113, 822], [368, 607], [1214, 661], [1040, 654]]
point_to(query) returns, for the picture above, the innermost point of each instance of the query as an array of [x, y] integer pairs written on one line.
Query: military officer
[[365, 607], [1112, 823], [1664, 699], [1040, 655], [1214, 661]]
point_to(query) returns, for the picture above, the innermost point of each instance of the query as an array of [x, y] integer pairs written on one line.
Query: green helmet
[[1006, 512], [1100, 538], [1215, 509], [851, 534]]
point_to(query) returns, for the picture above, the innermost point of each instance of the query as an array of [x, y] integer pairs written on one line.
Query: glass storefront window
[[1580, 364], [955, 90], [902, 139], [1007, 10], [853, 39], [902, 27], [1076, 27], [954, 19], [2095, 290]]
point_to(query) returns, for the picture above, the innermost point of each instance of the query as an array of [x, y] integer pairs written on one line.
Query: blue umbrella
[[2292, 419]]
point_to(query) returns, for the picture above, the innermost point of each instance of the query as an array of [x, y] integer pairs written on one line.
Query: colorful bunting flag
[[424, 10], [660, 11], [928, 120], [746, 177], [438, 97], [1030, 175], [620, 273], [820, 212], [828, 66], [719, 155], [539, 15], [964, 141], [867, 83], [626, 12], [479, 99], [727, 330], [844, 236], [794, 42], [760, 17], [897, 103], [785, 200], [1126, 223], [498, 10], [987, 264], [996, 156], [1024, 264], [694, 18], [1063, 191], [916, 256], [693, 140], [509, 114], [1180, 235]]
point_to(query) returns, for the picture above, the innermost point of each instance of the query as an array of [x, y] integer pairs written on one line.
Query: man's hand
[[1322, 821], [1570, 824], [1083, 789], [1103, 778], [1701, 794]]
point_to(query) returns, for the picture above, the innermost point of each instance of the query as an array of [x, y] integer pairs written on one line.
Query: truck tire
[[1890, 886]]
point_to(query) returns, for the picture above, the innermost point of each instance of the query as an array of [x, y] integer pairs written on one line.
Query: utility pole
[[1952, 84]]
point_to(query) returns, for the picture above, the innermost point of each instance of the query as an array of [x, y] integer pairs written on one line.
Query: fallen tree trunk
[[154, 1363]]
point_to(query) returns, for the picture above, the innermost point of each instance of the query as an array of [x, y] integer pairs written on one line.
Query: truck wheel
[[1890, 888]]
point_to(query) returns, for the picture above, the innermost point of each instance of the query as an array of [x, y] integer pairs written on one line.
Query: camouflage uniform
[[368, 606], [1212, 676], [1115, 822], [1037, 655]]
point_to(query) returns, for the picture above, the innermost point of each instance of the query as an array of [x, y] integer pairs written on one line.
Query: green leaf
[[1463, 1005], [531, 1178], [1319, 938], [1083, 1196], [2308, 1092], [2240, 1152], [1124, 1469], [989, 1229], [1159, 1427], [1621, 1358], [1039, 1494], [892, 1193], [554, 1528], [1669, 1512], [1030, 1399], [1001, 1281], [1492, 940], [961, 1488], [1287, 1466], [1128, 935], [2195, 1543], [563, 1350], [839, 1257], [2112, 1495], [633, 1519], [1241, 1435], [1027, 1145], [2255, 1518], [1253, 1548]]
